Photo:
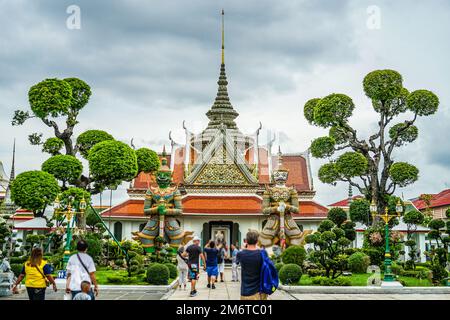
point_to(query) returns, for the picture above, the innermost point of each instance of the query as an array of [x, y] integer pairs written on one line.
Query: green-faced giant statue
[[162, 204]]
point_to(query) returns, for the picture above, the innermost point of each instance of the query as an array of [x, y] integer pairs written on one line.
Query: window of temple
[[118, 230], [300, 226], [141, 226]]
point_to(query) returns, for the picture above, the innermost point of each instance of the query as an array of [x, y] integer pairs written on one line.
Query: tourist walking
[[81, 267], [182, 268], [234, 264], [37, 274], [211, 263], [221, 260], [194, 253], [251, 261]]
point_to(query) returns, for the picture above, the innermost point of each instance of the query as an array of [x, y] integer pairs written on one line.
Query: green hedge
[[158, 274], [294, 254], [16, 268], [358, 262], [316, 272], [324, 281], [173, 271], [278, 266], [290, 273]]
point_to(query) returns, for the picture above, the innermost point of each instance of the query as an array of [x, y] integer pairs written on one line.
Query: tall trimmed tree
[[368, 164]]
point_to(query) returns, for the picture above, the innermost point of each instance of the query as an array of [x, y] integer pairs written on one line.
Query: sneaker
[[221, 280], [213, 286], [208, 286], [193, 293]]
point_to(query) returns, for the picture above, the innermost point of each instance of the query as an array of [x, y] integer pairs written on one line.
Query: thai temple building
[[221, 174]]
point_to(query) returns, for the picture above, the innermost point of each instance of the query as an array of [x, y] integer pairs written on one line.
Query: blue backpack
[[269, 275]]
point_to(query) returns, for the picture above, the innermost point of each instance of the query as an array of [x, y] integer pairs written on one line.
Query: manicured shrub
[[397, 269], [294, 254], [279, 265], [325, 281], [158, 274], [316, 272], [290, 273], [358, 262], [173, 272], [16, 268]]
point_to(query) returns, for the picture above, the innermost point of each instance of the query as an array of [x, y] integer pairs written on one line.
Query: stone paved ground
[[374, 296], [104, 295], [227, 290]]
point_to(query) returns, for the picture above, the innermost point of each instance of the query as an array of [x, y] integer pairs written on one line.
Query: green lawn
[[361, 280], [103, 274]]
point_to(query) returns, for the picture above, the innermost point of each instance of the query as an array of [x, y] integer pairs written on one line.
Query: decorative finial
[[223, 36], [280, 158], [164, 151], [350, 194]]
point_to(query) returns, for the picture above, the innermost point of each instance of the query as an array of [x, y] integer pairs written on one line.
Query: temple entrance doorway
[[221, 231]]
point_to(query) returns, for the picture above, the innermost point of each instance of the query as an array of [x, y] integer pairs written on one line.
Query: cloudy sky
[[153, 64]]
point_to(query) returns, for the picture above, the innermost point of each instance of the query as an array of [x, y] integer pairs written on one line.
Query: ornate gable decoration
[[221, 164]]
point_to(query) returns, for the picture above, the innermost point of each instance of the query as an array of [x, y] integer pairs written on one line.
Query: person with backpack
[[221, 259], [182, 267], [258, 274], [81, 268], [37, 273]]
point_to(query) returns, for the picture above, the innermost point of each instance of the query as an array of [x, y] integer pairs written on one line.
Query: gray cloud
[[153, 64]]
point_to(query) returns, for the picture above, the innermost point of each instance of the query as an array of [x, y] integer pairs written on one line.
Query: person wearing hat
[[194, 253]]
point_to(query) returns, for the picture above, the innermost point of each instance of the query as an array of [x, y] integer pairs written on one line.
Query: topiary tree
[[294, 254], [158, 274], [34, 191], [439, 256], [147, 160], [173, 272], [90, 138], [330, 243], [53, 146], [358, 262], [412, 219], [337, 215], [66, 169], [111, 162], [370, 166], [290, 274], [359, 211]]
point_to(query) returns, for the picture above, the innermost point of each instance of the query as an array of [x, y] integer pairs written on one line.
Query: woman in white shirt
[[182, 268]]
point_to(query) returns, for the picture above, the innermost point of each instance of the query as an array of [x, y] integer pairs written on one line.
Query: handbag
[[47, 283]]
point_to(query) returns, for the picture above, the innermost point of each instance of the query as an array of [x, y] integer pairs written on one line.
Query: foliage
[[52, 146], [147, 160], [360, 211], [64, 168], [158, 274], [279, 265], [16, 268], [316, 272], [330, 243], [173, 272], [51, 97], [323, 147], [325, 281], [337, 215], [294, 255], [34, 190], [90, 138], [290, 274], [403, 173], [440, 233], [358, 262], [111, 162], [74, 196], [369, 165], [412, 219]]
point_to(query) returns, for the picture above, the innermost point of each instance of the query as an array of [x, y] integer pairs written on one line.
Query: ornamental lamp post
[[388, 276], [69, 214]]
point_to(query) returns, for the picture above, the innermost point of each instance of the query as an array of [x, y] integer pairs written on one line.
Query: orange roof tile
[[438, 200], [222, 204]]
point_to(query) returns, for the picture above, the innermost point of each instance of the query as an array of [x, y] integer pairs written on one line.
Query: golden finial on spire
[[223, 37]]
